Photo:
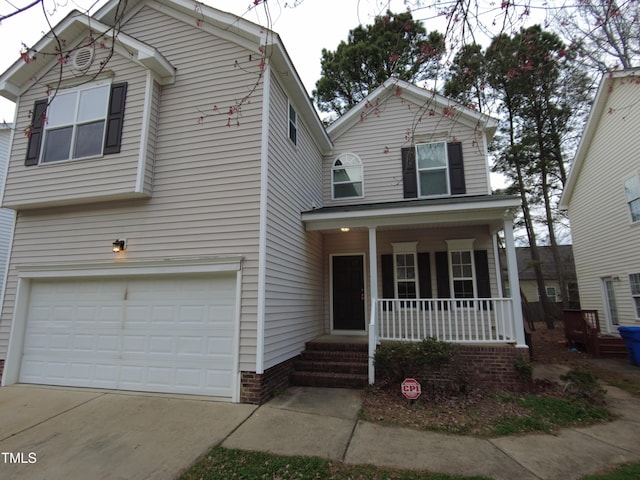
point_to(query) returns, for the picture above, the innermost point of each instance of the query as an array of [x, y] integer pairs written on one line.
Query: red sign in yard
[[411, 388]]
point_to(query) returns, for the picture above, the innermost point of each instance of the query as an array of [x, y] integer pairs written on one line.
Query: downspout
[[264, 196]]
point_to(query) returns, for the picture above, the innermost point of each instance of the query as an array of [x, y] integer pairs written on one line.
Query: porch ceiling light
[[344, 229], [119, 245]]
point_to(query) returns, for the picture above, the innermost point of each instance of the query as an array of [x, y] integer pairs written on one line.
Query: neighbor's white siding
[[605, 242], [293, 296], [378, 139], [7, 217], [206, 188]]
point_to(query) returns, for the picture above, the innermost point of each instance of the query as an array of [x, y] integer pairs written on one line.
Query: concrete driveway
[[69, 434]]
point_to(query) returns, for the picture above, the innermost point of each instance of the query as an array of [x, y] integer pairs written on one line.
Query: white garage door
[[172, 334]]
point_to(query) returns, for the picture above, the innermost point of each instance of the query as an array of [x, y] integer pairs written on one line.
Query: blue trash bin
[[631, 336]]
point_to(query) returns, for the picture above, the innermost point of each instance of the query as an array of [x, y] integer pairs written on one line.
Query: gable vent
[[82, 58]]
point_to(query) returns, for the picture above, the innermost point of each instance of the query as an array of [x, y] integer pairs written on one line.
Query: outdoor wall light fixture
[[344, 229], [119, 245]]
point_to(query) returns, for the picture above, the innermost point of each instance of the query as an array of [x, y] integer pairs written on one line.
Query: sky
[[305, 30]]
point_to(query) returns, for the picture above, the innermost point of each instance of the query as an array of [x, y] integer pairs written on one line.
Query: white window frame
[[293, 124], [348, 161], [552, 294], [444, 168], [634, 284], [632, 196], [407, 250], [49, 127], [461, 246]]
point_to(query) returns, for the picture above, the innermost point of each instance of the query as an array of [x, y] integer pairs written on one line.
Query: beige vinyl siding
[[206, 190], [606, 243], [79, 181], [429, 240], [152, 139], [377, 140], [293, 296]]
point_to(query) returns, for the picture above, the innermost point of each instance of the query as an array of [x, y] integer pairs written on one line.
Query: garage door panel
[[172, 334]]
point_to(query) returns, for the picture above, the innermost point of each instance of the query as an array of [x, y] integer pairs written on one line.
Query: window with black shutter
[[433, 169], [77, 123]]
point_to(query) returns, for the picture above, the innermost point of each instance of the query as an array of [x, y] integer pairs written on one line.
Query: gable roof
[[16, 80], [598, 107], [422, 97], [19, 77]]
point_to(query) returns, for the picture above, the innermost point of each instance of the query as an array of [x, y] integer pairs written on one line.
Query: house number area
[[19, 457]]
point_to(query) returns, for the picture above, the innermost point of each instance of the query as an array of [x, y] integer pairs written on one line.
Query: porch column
[[514, 282], [373, 292]]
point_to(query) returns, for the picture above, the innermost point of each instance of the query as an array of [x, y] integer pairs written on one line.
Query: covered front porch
[[409, 270]]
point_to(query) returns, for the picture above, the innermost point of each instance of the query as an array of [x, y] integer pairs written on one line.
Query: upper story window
[[77, 123], [433, 169], [346, 177], [293, 125], [632, 192], [432, 166]]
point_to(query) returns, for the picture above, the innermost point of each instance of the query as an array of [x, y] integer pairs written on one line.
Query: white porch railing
[[488, 320]]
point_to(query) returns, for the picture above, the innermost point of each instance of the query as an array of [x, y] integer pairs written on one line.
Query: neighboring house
[[602, 196], [7, 217], [555, 293], [241, 228]]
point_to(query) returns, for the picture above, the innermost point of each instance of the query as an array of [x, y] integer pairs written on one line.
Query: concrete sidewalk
[[323, 422], [82, 434]]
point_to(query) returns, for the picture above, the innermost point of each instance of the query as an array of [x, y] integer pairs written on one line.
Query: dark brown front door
[[348, 292]]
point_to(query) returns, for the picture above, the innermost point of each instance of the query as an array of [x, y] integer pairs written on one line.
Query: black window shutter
[[37, 131], [409, 179], [115, 118], [456, 168], [442, 275], [424, 275], [482, 273], [388, 288]]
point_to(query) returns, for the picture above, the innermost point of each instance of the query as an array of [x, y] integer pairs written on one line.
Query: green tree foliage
[[395, 45], [536, 84]]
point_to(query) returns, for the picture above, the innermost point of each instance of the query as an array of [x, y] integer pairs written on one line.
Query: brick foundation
[[492, 367], [259, 388], [487, 367]]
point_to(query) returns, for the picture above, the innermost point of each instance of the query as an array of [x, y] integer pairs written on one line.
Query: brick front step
[[332, 364], [333, 356], [329, 380], [335, 346], [331, 367]]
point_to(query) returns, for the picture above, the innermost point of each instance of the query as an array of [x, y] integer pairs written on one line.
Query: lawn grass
[[547, 414], [630, 471], [226, 464]]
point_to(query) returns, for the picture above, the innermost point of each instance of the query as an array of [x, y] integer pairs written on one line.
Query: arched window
[[346, 177]]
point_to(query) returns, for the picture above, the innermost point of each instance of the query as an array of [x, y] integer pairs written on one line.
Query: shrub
[[524, 369], [429, 361], [583, 384]]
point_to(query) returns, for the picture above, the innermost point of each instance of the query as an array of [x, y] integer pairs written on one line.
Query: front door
[[348, 292]]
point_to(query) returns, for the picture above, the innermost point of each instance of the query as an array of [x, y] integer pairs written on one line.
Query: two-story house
[[602, 196], [186, 223]]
